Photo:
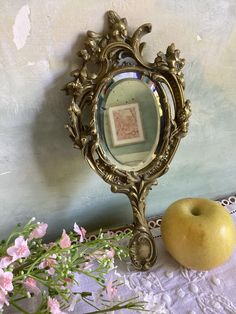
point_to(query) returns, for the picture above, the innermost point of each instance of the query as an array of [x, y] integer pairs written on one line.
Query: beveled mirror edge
[[102, 49], [114, 81]]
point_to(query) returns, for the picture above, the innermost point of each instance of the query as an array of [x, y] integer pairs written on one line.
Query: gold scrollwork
[[112, 53]]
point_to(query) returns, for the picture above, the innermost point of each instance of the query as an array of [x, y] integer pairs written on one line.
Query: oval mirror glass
[[129, 114]]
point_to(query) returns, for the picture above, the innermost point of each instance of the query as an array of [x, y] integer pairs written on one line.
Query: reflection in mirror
[[129, 120]]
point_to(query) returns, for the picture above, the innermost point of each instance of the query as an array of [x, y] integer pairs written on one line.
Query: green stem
[[89, 303], [44, 282], [18, 232], [91, 276], [36, 262], [12, 236], [116, 308], [121, 305], [19, 299]]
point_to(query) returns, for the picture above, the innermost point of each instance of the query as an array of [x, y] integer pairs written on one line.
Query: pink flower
[[3, 299], [68, 282], [19, 250], [80, 231], [54, 306], [51, 271], [65, 241], [110, 289], [5, 261], [49, 264], [86, 266], [6, 281], [110, 234], [99, 255], [110, 253], [73, 303], [48, 246], [31, 285], [39, 231]]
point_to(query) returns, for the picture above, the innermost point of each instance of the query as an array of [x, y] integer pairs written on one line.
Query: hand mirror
[[127, 116]]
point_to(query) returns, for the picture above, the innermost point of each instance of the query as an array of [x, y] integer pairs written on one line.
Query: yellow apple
[[199, 233]]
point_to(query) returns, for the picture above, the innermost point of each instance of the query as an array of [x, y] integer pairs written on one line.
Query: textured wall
[[40, 174]]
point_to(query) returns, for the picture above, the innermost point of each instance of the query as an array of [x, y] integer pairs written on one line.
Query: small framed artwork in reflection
[[126, 125]]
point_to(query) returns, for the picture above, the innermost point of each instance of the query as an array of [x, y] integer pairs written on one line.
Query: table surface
[[173, 289]]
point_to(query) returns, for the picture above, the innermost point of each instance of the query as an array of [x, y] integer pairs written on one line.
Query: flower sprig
[[51, 272]]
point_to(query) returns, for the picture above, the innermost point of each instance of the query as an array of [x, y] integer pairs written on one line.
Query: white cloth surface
[[173, 289]]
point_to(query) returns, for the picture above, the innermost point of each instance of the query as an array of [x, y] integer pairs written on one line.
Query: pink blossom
[[31, 285], [48, 246], [65, 241], [5, 261], [19, 250], [49, 264], [110, 234], [51, 271], [39, 231], [54, 306], [99, 255], [6, 281], [80, 231], [68, 280], [110, 289], [3, 299], [110, 253], [73, 303], [88, 264]]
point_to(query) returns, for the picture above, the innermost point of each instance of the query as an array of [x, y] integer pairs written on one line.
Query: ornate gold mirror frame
[[104, 52]]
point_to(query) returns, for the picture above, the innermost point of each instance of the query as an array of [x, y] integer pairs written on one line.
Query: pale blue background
[[42, 175]]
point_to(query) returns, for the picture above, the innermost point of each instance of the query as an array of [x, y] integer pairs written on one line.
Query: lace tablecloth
[[173, 289]]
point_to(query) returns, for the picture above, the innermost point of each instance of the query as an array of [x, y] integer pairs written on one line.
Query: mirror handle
[[142, 249]]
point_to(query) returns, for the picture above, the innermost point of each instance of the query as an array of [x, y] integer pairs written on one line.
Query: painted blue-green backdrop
[[41, 174]]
